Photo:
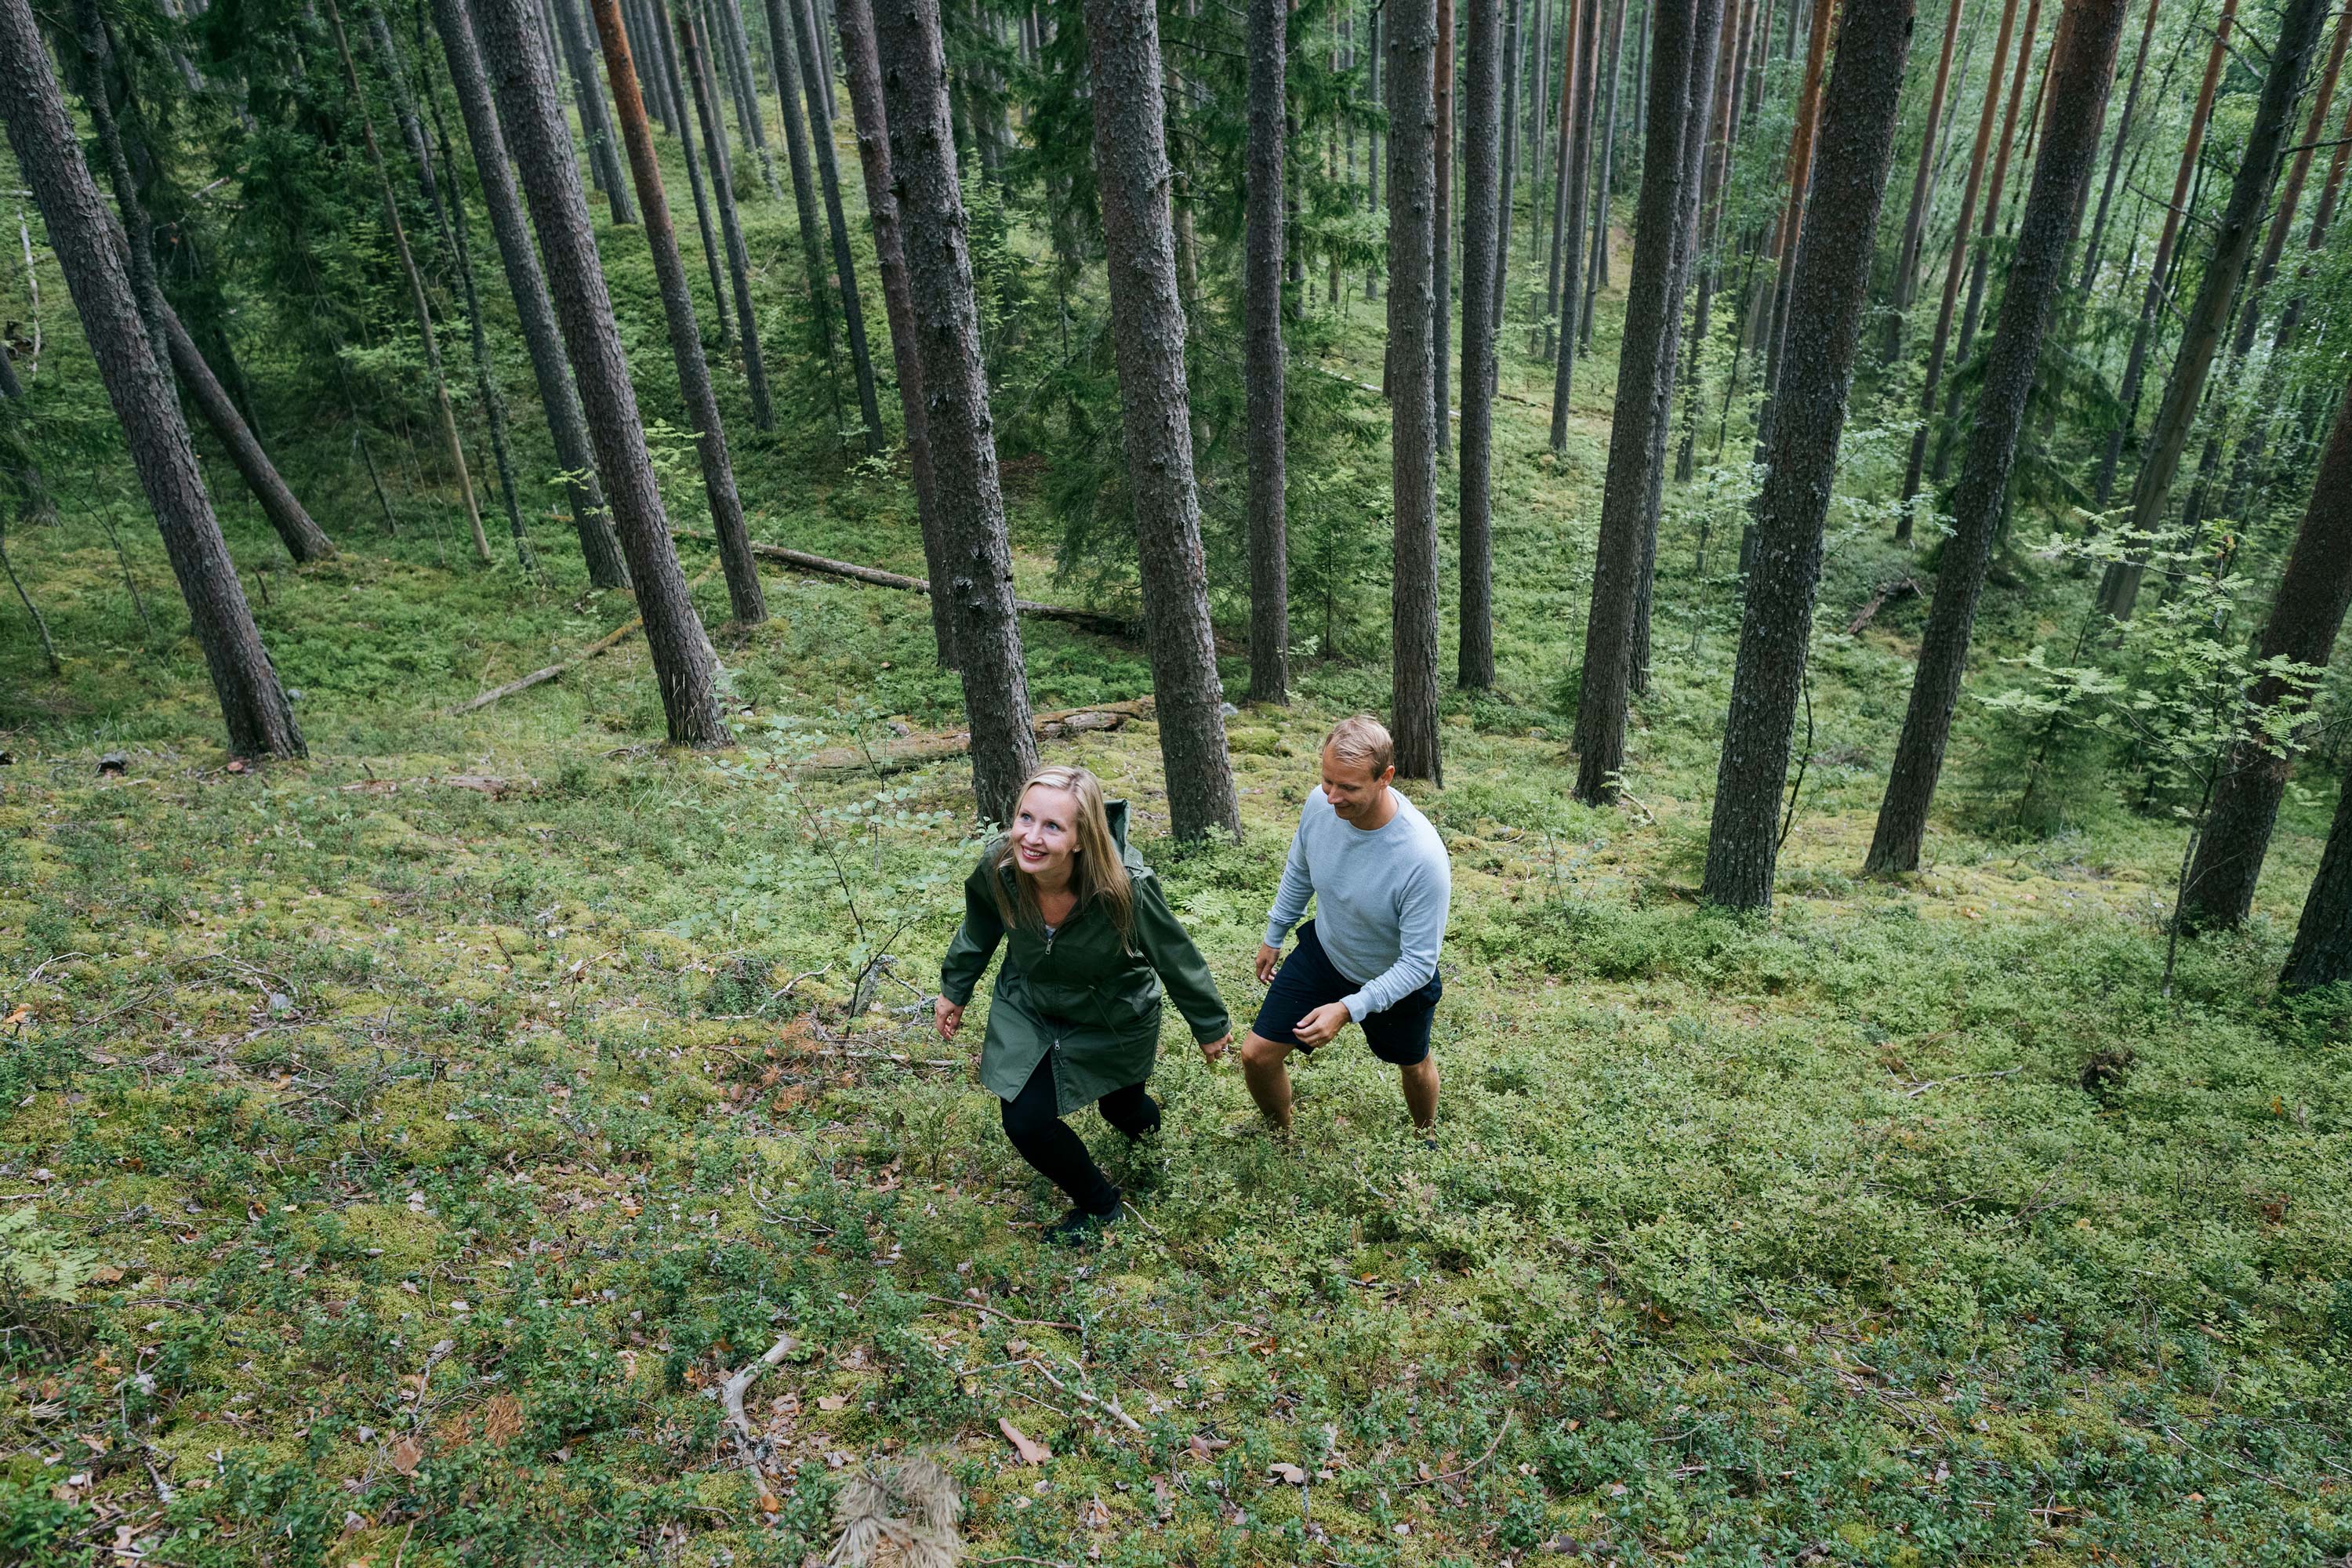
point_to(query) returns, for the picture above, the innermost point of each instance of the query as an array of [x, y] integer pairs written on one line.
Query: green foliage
[[37, 1262]]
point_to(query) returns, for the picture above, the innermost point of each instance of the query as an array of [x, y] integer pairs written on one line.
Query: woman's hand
[[947, 1015], [1212, 1049]]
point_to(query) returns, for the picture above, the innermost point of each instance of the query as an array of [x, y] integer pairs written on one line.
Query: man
[[1378, 874]]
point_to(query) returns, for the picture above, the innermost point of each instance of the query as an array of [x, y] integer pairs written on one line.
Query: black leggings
[[1034, 1123]]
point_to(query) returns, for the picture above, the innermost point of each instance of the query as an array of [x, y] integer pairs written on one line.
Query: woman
[[1075, 1017]]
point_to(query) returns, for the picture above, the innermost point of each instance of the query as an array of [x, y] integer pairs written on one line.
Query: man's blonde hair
[[1364, 740]]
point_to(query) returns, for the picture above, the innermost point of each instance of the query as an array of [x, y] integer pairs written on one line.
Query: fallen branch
[[1477, 1464], [1125, 1420], [914, 751], [731, 1396], [873, 576], [1901, 588], [542, 676]]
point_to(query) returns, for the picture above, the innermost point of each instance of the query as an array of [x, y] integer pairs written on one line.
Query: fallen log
[[546, 673], [914, 751], [1095, 621], [1901, 588]]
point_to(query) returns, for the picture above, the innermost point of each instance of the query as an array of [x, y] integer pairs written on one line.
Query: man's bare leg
[[1269, 1081], [1420, 1082]]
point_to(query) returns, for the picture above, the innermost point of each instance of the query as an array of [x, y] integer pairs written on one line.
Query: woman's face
[[1045, 833]]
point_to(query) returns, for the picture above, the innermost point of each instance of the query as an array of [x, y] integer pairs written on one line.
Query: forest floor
[[432, 1128]]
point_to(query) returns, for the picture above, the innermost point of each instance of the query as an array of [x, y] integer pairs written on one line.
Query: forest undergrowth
[[415, 1140]]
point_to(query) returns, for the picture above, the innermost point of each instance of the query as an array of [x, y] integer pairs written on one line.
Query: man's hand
[[1269, 959], [947, 1015], [1212, 1049], [1321, 1027]]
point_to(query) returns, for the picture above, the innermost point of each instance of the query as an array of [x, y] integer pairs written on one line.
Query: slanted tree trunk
[[742, 572], [754, 124], [1576, 146], [1682, 64], [91, 255], [1715, 168], [1597, 273], [2322, 953], [2152, 300], [1830, 286], [783, 59], [641, 20], [1155, 413], [1481, 193], [523, 75], [595, 121], [2312, 592], [2115, 155], [1412, 28], [1562, 151], [955, 389], [1773, 295], [1263, 356], [2315, 239], [863, 63], [2250, 192], [1954, 267], [693, 55], [1505, 199], [2082, 66], [816, 74], [1915, 223], [569, 433], [418, 302]]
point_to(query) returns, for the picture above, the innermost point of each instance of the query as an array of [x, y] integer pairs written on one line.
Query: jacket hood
[[1115, 811]]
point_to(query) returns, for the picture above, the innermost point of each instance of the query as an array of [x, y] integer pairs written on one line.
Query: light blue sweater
[[1380, 899]]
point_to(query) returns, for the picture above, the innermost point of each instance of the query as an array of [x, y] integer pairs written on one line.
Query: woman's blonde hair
[[1097, 871]]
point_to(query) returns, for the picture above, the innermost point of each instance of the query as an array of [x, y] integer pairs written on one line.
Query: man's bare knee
[[1260, 1053]]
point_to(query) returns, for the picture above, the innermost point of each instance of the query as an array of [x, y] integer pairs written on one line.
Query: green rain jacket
[[1080, 995]]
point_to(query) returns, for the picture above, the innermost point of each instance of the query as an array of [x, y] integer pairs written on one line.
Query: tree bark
[[695, 57], [747, 86], [2083, 65], [2322, 953], [743, 593], [1775, 299], [253, 705], [647, 23], [2250, 192], [1954, 267], [1597, 273], [1828, 286], [1412, 40], [418, 302], [1482, 191], [1505, 202], [1263, 364], [1441, 255], [1681, 63], [1562, 144], [863, 64], [783, 59], [523, 75], [607, 568], [595, 121], [2153, 298], [1155, 413], [955, 389], [2312, 592], [1915, 223], [814, 64], [2115, 155], [1576, 148]]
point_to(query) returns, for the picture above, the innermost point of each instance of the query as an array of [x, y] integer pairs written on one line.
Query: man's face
[[1353, 788]]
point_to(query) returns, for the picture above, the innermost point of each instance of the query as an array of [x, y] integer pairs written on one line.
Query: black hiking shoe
[[1078, 1228]]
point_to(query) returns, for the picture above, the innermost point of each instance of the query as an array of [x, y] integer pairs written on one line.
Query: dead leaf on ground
[[1291, 1474], [501, 1419], [406, 1456], [1032, 1451], [833, 1402]]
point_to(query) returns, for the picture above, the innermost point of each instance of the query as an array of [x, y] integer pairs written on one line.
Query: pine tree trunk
[[642, 21], [1716, 166], [1598, 277], [1576, 146], [694, 54], [1830, 286], [1482, 190], [816, 66], [2316, 239], [2082, 63], [2153, 298], [595, 120], [1915, 223], [2312, 592], [1413, 373], [863, 63], [2250, 192], [569, 433], [1954, 266], [1440, 256], [1155, 417], [1562, 149], [783, 57], [742, 572], [1784, 247], [418, 302], [755, 125], [1505, 200], [1681, 63], [2115, 155], [2322, 953], [522, 74], [1263, 365], [48, 154], [955, 387], [1539, 116]]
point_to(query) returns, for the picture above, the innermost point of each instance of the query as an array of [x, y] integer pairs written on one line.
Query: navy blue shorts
[[1307, 980]]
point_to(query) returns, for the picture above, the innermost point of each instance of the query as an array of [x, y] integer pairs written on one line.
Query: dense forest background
[[537, 529]]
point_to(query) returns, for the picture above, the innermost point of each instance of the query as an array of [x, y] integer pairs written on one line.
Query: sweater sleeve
[[1298, 887], [1420, 932], [975, 939], [1168, 949]]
